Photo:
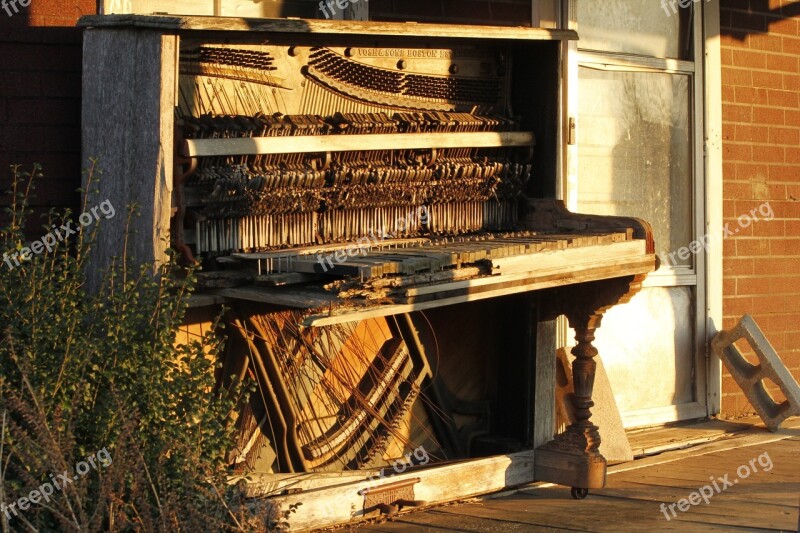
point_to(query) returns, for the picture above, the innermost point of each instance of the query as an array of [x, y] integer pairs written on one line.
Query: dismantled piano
[[376, 204]]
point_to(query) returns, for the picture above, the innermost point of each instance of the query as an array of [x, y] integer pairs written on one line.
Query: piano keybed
[[373, 257]]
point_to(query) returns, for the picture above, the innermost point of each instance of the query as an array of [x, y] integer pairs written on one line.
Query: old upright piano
[[376, 203]]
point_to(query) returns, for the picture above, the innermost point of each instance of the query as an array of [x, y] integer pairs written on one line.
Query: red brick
[[785, 321], [768, 80], [768, 228], [728, 248], [784, 247], [728, 131], [753, 286], [748, 133], [768, 115], [753, 208], [791, 266], [732, 151], [728, 210], [785, 26], [750, 247], [792, 117], [766, 304], [792, 227], [789, 136], [748, 59], [751, 171], [791, 45], [738, 306], [791, 82], [771, 154], [784, 173], [769, 268], [749, 95], [60, 12], [785, 209], [728, 403], [792, 154], [734, 266], [729, 388], [784, 285], [726, 56], [736, 191], [782, 63], [728, 287], [793, 341], [728, 171], [782, 98], [737, 76], [770, 43], [777, 192], [728, 93]]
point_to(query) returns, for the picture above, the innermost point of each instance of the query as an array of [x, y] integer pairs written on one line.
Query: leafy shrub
[[81, 373]]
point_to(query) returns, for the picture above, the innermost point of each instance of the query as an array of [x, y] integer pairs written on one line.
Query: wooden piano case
[[398, 370]]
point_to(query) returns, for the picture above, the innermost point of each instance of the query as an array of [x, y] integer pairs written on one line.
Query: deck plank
[[764, 501]]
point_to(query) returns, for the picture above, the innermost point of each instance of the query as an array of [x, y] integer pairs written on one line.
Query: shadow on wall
[[40, 97], [759, 18]]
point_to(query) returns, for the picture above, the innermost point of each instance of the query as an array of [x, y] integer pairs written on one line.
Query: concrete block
[[614, 444], [750, 378]]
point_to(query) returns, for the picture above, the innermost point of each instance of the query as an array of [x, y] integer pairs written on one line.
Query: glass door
[[639, 153]]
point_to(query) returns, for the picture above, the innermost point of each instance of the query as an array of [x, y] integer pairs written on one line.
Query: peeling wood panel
[[129, 88]]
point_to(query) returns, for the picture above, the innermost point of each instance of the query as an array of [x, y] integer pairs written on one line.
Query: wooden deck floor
[[768, 499]]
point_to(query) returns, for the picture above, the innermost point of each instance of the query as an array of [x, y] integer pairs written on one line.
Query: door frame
[[706, 121]]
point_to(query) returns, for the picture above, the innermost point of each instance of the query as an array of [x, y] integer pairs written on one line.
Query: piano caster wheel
[[579, 493]]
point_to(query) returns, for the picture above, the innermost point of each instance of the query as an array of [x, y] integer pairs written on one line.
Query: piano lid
[[322, 26]]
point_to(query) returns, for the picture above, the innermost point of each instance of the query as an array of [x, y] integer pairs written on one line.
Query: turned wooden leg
[[583, 371], [573, 458]]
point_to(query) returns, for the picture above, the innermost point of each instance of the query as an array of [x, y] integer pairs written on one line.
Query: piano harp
[[375, 202]]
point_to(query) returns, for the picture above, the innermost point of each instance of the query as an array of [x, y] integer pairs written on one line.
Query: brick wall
[[40, 96], [494, 12], [761, 163]]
